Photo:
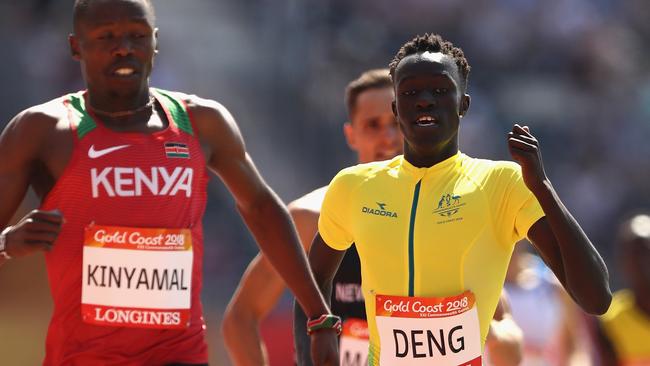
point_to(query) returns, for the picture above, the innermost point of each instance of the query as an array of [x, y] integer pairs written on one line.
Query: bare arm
[[505, 338], [20, 144], [324, 262], [558, 237], [257, 293], [264, 213]]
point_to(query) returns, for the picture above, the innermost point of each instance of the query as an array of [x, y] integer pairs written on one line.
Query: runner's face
[[429, 102], [373, 132], [115, 42]]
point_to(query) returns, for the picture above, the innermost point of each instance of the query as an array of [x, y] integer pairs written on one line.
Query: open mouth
[[124, 71], [426, 121]]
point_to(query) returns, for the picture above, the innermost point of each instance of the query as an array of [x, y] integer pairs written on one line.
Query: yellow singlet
[[430, 232], [628, 329]]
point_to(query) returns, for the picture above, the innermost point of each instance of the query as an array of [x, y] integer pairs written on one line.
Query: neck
[[114, 103], [429, 158]]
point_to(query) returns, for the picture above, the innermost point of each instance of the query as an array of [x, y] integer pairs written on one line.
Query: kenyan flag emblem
[[177, 150]]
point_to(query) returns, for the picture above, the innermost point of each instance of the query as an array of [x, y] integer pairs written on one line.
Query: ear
[[349, 135], [155, 41], [73, 41], [465, 100]]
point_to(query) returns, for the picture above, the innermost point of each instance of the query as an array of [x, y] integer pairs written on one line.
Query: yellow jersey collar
[[418, 173]]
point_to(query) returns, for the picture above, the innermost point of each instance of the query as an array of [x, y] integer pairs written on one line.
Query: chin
[[127, 90]]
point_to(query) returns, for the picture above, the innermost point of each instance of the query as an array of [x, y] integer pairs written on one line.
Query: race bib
[[353, 347], [428, 331], [137, 277]]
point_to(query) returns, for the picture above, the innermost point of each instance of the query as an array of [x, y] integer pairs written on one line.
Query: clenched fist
[[37, 231], [524, 149]]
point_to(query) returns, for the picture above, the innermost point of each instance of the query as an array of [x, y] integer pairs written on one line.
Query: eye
[[372, 125], [441, 90], [106, 35], [138, 35], [408, 93]]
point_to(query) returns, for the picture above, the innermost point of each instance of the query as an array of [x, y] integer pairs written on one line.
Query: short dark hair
[[80, 8], [371, 79], [433, 43]]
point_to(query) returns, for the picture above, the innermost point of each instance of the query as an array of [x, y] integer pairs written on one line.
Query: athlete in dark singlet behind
[[121, 170]]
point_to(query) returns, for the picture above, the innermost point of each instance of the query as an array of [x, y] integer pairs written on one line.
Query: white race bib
[[137, 277], [428, 331], [353, 348]]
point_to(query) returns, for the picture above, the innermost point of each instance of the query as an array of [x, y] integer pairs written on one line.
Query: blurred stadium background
[[576, 71]]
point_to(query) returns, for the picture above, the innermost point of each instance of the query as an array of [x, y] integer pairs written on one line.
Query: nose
[[123, 47], [425, 100]]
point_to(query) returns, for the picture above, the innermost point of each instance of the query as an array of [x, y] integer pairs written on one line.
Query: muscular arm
[[558, 237], [505, 338], [257, 293], [324, 263], [14, 172], [20, 145], [15, 167], [567, 250], [264, 214]]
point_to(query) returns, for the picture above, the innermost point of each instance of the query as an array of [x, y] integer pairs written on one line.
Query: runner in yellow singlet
[[372, 133], [625, 329], [435, 228]]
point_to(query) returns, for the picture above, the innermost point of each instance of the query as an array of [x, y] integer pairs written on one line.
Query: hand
[[504, 343], [37, 231], [525, 150], [325, 348]]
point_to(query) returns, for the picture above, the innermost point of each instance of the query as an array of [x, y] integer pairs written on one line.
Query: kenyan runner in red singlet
[[121, 171], [112, 278]]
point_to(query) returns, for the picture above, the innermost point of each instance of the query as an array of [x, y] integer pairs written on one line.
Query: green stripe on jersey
[[86, 123], [177, 110], [414, 210]]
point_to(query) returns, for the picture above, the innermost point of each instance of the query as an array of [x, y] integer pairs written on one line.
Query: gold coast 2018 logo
[[448, 205]]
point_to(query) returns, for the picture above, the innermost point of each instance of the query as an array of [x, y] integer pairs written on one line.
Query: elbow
[[599, 305], [603, 306], [229, 324], [234, 321]]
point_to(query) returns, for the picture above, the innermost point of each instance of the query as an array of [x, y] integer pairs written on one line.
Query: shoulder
[[488, 166], [491, 171], [361, 173], [39, 120], [215, 128], [206, 113], [353, 178], [309, 203], [305, 211]]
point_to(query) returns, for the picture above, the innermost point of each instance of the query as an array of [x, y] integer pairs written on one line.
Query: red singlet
[[125, 271]]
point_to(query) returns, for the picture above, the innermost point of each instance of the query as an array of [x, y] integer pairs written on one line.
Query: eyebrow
[[142, 21], [444, 75]]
